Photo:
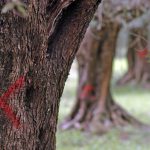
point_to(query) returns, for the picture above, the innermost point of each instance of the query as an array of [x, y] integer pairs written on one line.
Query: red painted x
[[5, 107]]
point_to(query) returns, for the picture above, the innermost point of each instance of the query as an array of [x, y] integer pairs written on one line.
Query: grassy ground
[[133, 98]]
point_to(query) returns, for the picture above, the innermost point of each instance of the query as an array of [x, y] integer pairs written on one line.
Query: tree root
[[86, 119]]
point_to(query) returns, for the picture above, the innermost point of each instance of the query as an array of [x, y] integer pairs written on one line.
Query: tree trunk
[[139, 73], [95, 109], [138, 68], [41, 48]]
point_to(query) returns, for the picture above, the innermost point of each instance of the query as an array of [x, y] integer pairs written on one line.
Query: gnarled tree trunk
[[41, 48], [138, 67], [95, 109]]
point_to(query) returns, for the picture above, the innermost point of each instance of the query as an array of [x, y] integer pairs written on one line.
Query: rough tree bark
[[95, 110], [41, 48]]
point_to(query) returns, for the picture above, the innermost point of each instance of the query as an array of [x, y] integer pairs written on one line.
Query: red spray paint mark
[[86, 90], [5, 107], [142, 53]]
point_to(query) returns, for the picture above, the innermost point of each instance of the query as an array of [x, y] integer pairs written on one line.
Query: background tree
[[40, 47], [137, 32], [95, 109]]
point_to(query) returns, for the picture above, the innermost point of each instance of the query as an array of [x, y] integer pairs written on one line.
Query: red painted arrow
[[5, 107]]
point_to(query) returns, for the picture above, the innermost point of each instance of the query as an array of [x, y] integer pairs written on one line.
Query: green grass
[[133, 98]]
